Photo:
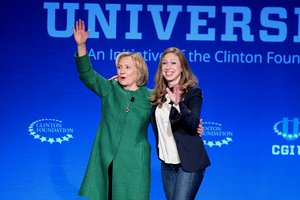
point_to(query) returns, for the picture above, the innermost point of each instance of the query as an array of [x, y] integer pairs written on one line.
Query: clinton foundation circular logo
[[215, 135], [50, 130]]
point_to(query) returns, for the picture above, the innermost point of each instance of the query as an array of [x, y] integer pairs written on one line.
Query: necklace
[[130, 102]]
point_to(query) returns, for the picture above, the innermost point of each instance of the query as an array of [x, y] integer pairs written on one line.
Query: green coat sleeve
[[94, 81]]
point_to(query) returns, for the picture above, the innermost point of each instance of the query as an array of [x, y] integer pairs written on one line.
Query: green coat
[[121, 138]]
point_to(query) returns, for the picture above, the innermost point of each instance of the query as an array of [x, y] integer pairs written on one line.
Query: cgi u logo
[[287, 125]]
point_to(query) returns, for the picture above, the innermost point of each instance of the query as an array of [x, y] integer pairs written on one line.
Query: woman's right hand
[[80, 35], [175, 95]]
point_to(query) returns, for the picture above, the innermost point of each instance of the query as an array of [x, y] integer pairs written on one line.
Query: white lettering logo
[[282, 128], [50, 130], [215, 136]]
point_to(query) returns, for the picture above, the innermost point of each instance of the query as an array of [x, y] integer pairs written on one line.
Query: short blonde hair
[[140, 65]]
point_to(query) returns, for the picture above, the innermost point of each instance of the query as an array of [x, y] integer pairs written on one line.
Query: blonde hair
[[140, 65], [187, 80]]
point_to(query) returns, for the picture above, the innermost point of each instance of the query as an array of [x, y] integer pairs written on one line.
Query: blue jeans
[[178, 184]]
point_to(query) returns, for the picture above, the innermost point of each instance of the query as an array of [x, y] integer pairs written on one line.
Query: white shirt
[[166, 143]]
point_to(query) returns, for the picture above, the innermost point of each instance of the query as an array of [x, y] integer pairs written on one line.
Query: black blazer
[[191, 149]]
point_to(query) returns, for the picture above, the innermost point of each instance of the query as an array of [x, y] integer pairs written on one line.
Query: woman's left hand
[[200, 128], [114, 78]]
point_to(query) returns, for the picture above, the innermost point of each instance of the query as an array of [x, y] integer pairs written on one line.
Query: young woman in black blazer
[[177, 102]]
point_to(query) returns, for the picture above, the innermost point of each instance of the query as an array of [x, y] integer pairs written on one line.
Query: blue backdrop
[[245, 55]]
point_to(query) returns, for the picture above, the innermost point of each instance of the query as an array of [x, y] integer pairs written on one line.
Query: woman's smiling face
[[171, 69]]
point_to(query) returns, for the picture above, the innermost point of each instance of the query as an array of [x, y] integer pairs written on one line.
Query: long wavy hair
[[187, 80]]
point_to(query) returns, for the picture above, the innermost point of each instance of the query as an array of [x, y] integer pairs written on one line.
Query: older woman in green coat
[[119, 164]]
